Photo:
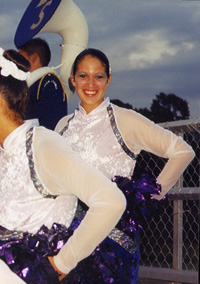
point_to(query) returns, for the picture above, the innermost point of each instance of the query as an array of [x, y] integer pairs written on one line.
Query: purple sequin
[[140, 205], [28, 257]]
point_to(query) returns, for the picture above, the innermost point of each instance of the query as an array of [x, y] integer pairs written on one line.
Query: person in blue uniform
[[47, 102]]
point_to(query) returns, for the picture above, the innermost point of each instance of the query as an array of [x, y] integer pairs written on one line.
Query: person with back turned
[[41, 178]]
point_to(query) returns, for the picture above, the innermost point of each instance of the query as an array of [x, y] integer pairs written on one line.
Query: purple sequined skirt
[[115, 260], [27, 254]]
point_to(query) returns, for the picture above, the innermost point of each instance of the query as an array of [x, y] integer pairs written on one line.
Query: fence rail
[[170, 241]]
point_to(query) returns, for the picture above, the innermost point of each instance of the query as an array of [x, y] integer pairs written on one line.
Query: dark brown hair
[[39, 46], [15, 92], [94, 53]]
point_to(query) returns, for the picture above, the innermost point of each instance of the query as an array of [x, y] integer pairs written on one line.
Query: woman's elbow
[[191, 155], [120, 203]]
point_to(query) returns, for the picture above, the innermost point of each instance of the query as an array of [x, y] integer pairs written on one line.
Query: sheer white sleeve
[[7, 276], [64, 172], [62, 123], [142, 134]]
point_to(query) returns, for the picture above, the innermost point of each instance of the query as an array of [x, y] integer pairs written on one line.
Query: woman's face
[[90, 82]]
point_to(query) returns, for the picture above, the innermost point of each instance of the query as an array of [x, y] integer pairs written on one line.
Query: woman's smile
[[90, 93], [91, 82]]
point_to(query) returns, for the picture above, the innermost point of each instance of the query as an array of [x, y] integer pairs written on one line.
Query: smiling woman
[[110, 138], [91, 77]]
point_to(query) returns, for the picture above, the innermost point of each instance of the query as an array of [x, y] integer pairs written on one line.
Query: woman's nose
[[91, 81]]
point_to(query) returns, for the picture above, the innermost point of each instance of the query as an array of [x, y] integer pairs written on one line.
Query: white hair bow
[[10, 68]]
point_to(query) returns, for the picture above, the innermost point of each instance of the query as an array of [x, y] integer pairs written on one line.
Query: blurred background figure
[[47, 100]]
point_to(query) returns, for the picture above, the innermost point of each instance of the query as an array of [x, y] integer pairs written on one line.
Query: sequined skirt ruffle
[[110, 263], [27, 256], [115, 260], [138, 191]]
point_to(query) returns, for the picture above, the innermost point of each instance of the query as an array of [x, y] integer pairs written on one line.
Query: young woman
[[40, 180], [110, 138]]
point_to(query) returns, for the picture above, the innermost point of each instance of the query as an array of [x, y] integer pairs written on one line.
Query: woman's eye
[[82, 75], [99, 76]]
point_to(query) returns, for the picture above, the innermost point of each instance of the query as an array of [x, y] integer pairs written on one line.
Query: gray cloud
[[153, 45]]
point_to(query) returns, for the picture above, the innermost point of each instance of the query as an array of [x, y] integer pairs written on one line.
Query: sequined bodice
[[94, 139], [22, 206], [97, 139]]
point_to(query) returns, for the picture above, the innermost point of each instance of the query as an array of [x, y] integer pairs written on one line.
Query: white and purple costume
[[109, 138], [40, 180]]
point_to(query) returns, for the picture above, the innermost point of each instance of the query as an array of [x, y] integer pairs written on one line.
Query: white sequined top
[[22, 206], [110, 137], [93, 138], [37, 164]]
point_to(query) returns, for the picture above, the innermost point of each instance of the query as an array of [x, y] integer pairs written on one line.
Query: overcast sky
[[153, 46]]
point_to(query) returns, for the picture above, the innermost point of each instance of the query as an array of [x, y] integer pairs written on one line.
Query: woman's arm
[[142, 134], [7, 276], [64, 172]]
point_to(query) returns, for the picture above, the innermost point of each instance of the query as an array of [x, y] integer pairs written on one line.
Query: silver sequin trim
[[123, 240], [66, 126], [118, 134], [116, 235], [7, 235], [38, 185]]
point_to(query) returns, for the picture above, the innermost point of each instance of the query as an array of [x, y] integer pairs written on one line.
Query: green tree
[[121, 104], [166, 108]]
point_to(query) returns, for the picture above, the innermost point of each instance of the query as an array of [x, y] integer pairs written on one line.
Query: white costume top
[[42, 161], [110, 137], [27, 210]]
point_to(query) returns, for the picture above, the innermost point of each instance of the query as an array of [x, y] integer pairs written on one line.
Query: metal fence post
[[178, 229], [177, 234]]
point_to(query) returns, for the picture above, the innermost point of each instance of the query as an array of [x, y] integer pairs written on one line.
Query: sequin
[[23, 208], [123, 240], [38, 185], [117, 132], [66, 127], [28, 257], [116, 235], [88, 135], [6, 234], [97, 138]]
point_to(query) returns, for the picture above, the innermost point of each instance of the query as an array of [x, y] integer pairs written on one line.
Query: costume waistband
[[116, 235], [124, 240], [6, 235]]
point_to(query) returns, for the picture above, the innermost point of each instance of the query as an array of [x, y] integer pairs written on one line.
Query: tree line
[[164, 108]]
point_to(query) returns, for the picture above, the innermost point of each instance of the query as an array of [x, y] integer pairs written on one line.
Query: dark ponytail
[[14, 91]]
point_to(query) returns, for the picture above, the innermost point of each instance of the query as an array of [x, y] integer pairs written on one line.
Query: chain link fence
[[170, 241]]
